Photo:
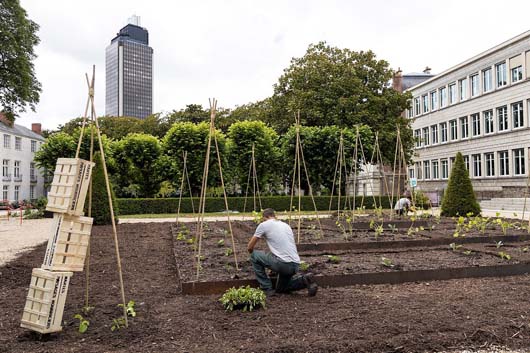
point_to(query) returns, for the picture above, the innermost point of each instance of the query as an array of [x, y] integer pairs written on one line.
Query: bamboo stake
[[248, 185], [107, 183], [184, 157], [299, 177], [335, 175], [256, 181], [89, 214]]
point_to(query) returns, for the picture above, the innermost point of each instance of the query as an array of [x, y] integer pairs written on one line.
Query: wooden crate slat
[[45, 315], [68, 243], [69, 186]]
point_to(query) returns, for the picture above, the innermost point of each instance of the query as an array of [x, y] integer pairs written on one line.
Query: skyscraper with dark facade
[[129, 72]]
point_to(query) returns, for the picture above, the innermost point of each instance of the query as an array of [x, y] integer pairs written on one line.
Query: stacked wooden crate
[[67, 246]]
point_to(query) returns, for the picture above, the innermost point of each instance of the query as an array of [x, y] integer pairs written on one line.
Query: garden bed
[[413, 317]]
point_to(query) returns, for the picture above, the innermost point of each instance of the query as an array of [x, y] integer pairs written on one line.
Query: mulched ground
[[415, 317]]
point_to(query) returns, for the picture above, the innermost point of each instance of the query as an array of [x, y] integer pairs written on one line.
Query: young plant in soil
[[379, 231], [83, 323], [304, 266], [505, 256], [117, 324], [454, 246], [228, 252], [129, 308], [393, 228], [334, 259], [385, 261], [221, 243], [244, 298]]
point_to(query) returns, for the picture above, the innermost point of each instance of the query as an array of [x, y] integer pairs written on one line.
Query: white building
[[21, 180], [479, 108]]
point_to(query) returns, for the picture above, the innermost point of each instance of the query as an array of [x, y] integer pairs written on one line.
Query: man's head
[[268, 213]]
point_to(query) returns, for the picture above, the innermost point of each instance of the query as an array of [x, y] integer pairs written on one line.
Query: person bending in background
[[283, 257], [402, 206]]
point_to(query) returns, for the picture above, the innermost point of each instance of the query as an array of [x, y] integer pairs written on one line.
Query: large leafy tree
[[18, 85], [320, 146], [191, 138], [139, 154], [333, 86], [58, 145], [242, 135]]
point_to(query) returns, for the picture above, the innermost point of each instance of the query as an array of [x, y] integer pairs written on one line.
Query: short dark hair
[[268, 213]]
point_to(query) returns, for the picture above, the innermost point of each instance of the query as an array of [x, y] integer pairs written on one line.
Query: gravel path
[[16, 238]]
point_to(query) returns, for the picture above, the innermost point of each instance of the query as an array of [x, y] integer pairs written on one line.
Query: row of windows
[[470, 86], [18, 143], [489, 164], [16, 192], [501, 119], [17, 176]]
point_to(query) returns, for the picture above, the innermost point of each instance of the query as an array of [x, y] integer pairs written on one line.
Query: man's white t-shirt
[[402, 203], [280, 239]]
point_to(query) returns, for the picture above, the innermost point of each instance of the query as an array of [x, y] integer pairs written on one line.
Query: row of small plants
[[116, 324]]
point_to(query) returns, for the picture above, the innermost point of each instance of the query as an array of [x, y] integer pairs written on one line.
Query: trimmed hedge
[[216, 204]]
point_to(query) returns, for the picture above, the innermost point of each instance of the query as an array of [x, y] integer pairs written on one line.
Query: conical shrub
[[459, 198], [100, 199]]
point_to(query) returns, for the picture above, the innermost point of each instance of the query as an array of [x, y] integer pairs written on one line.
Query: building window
[[443, 97], [517, 74], [518, 162], [475, 122], [32, 175], [410, 113], [17, 193], [425, 102], [517, 115], [434, 100], [7, 141], [502, 117], [490, 164], [466, 162], [417, 137], [434, 134], [426, 136], [452, 93], [32, 192], [453, 130], [5, 168], [504, 163], [33, 146], [474, 85], [411, 173], [464, 127], [445, 169], [477, 165], [500, 71], [443, 130], [426, 170], [488, 121], [18, 143], [417, 106], [435, 170], [486, 80], [5, 192], [16, 171], [418, 170], [462, 88]]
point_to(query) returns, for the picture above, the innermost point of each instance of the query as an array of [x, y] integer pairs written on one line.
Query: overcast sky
[[236, 50]]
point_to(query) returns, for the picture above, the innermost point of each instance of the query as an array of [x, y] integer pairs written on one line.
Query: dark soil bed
[[218, 262], [412, 317]]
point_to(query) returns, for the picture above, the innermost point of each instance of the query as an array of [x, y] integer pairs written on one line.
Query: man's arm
[[252, 244]]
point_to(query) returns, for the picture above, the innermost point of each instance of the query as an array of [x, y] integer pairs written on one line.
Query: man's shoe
[[270, 293], [312, 287]]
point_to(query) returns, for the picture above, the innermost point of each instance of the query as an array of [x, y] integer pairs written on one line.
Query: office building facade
[[479, 108], [129, 73]]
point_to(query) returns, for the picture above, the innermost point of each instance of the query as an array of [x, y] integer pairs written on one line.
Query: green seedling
[[525, 249], [499, 243], [221, 243], [83, 323], [304, 266], [190, 240], [130, 308], [387, 262], [258, 216], [505, 256], [87, 309], [245, 298], [117, 324], [334, 259], [228, 251], [181, 236], [410, 231], [379, 230], [454, 246], [393, 228], [467, 252]]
